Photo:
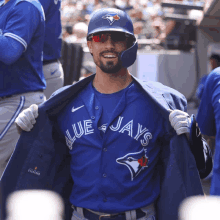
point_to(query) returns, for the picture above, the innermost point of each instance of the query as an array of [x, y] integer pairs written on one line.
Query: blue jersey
[[114, 165], [108, 104], [208, 118], [201, 85], [53, 29], [24, 22]]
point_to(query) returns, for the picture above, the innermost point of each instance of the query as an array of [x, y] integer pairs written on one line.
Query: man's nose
[[109, 42]]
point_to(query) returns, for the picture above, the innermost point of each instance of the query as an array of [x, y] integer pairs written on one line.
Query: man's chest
[[135, 124], [127, 143]]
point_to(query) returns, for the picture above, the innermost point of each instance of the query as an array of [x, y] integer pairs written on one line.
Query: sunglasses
[[103, 36]]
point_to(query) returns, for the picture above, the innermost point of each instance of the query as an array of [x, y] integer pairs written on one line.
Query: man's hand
[[26, 119], [180, 121]]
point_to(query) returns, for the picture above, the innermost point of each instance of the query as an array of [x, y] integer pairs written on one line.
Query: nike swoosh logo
[[75, 109], [53, 72]]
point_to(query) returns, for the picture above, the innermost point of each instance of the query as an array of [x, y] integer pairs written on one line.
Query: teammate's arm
[[10, 49], [19, 29]]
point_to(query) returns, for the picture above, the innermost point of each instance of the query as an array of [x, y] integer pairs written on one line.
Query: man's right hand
[[26, 119]]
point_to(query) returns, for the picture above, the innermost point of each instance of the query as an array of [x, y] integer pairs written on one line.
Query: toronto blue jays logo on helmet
[[135, 162], [111, 17]]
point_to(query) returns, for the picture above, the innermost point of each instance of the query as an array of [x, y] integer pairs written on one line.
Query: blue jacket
[[41, 161]]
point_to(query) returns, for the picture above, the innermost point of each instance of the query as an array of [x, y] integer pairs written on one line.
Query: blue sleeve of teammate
[[200, 88], [21, 26], [206, 112], [46, 4], [10, 49]]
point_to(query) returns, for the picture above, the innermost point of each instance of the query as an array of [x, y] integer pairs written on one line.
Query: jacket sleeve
[[198, 145], [200, 149]]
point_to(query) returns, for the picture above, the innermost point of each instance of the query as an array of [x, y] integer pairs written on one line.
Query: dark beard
[[110, 67]]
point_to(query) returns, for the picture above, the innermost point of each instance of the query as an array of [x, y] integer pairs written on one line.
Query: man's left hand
[[180, 121]]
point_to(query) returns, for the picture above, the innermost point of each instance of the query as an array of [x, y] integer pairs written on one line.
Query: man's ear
[[89, 44]]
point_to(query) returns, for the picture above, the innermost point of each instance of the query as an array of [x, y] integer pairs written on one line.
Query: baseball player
[[214, 62], [110, 134], [21, 75], [208, 120], [52, 68]]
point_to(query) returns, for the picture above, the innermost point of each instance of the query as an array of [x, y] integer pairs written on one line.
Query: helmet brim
[[101, 29]]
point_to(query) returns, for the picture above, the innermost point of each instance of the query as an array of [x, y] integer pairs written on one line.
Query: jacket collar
[[55, 104]]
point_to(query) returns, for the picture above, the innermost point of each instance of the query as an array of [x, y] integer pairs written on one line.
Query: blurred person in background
[[140, 16], [138, 32], [214, 62], [208, 119], [94, 5], [84, 12], [69, 12], [158, 27], [79, 32], [52, 68], [124, 5], [67, 31], [69, 35], [138, 29], [22, 80]]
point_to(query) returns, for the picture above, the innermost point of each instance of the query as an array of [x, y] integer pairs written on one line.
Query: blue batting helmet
[[111, 19]]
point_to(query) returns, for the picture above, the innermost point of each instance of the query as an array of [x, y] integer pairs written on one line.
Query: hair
[[69, 29], [216, 57]]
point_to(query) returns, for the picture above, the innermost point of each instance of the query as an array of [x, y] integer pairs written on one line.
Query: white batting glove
[[26, 119], [180, 121]]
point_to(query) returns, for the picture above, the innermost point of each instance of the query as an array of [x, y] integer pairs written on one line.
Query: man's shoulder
[[160, 88], [214, 77], [35, 3], [173, 99]]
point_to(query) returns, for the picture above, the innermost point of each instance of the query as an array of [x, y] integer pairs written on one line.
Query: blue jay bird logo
[[111, 17], [135, 162]]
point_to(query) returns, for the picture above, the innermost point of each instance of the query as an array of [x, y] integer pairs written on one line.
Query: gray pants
[[53, 73], [130, 215], [9, 110]]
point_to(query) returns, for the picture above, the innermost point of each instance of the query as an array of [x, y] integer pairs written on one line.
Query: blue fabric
[[130, 145], [200, 87], [11, 50], [108, 103], [53, 29], [44, 148], [23, 21], [208, 117]]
